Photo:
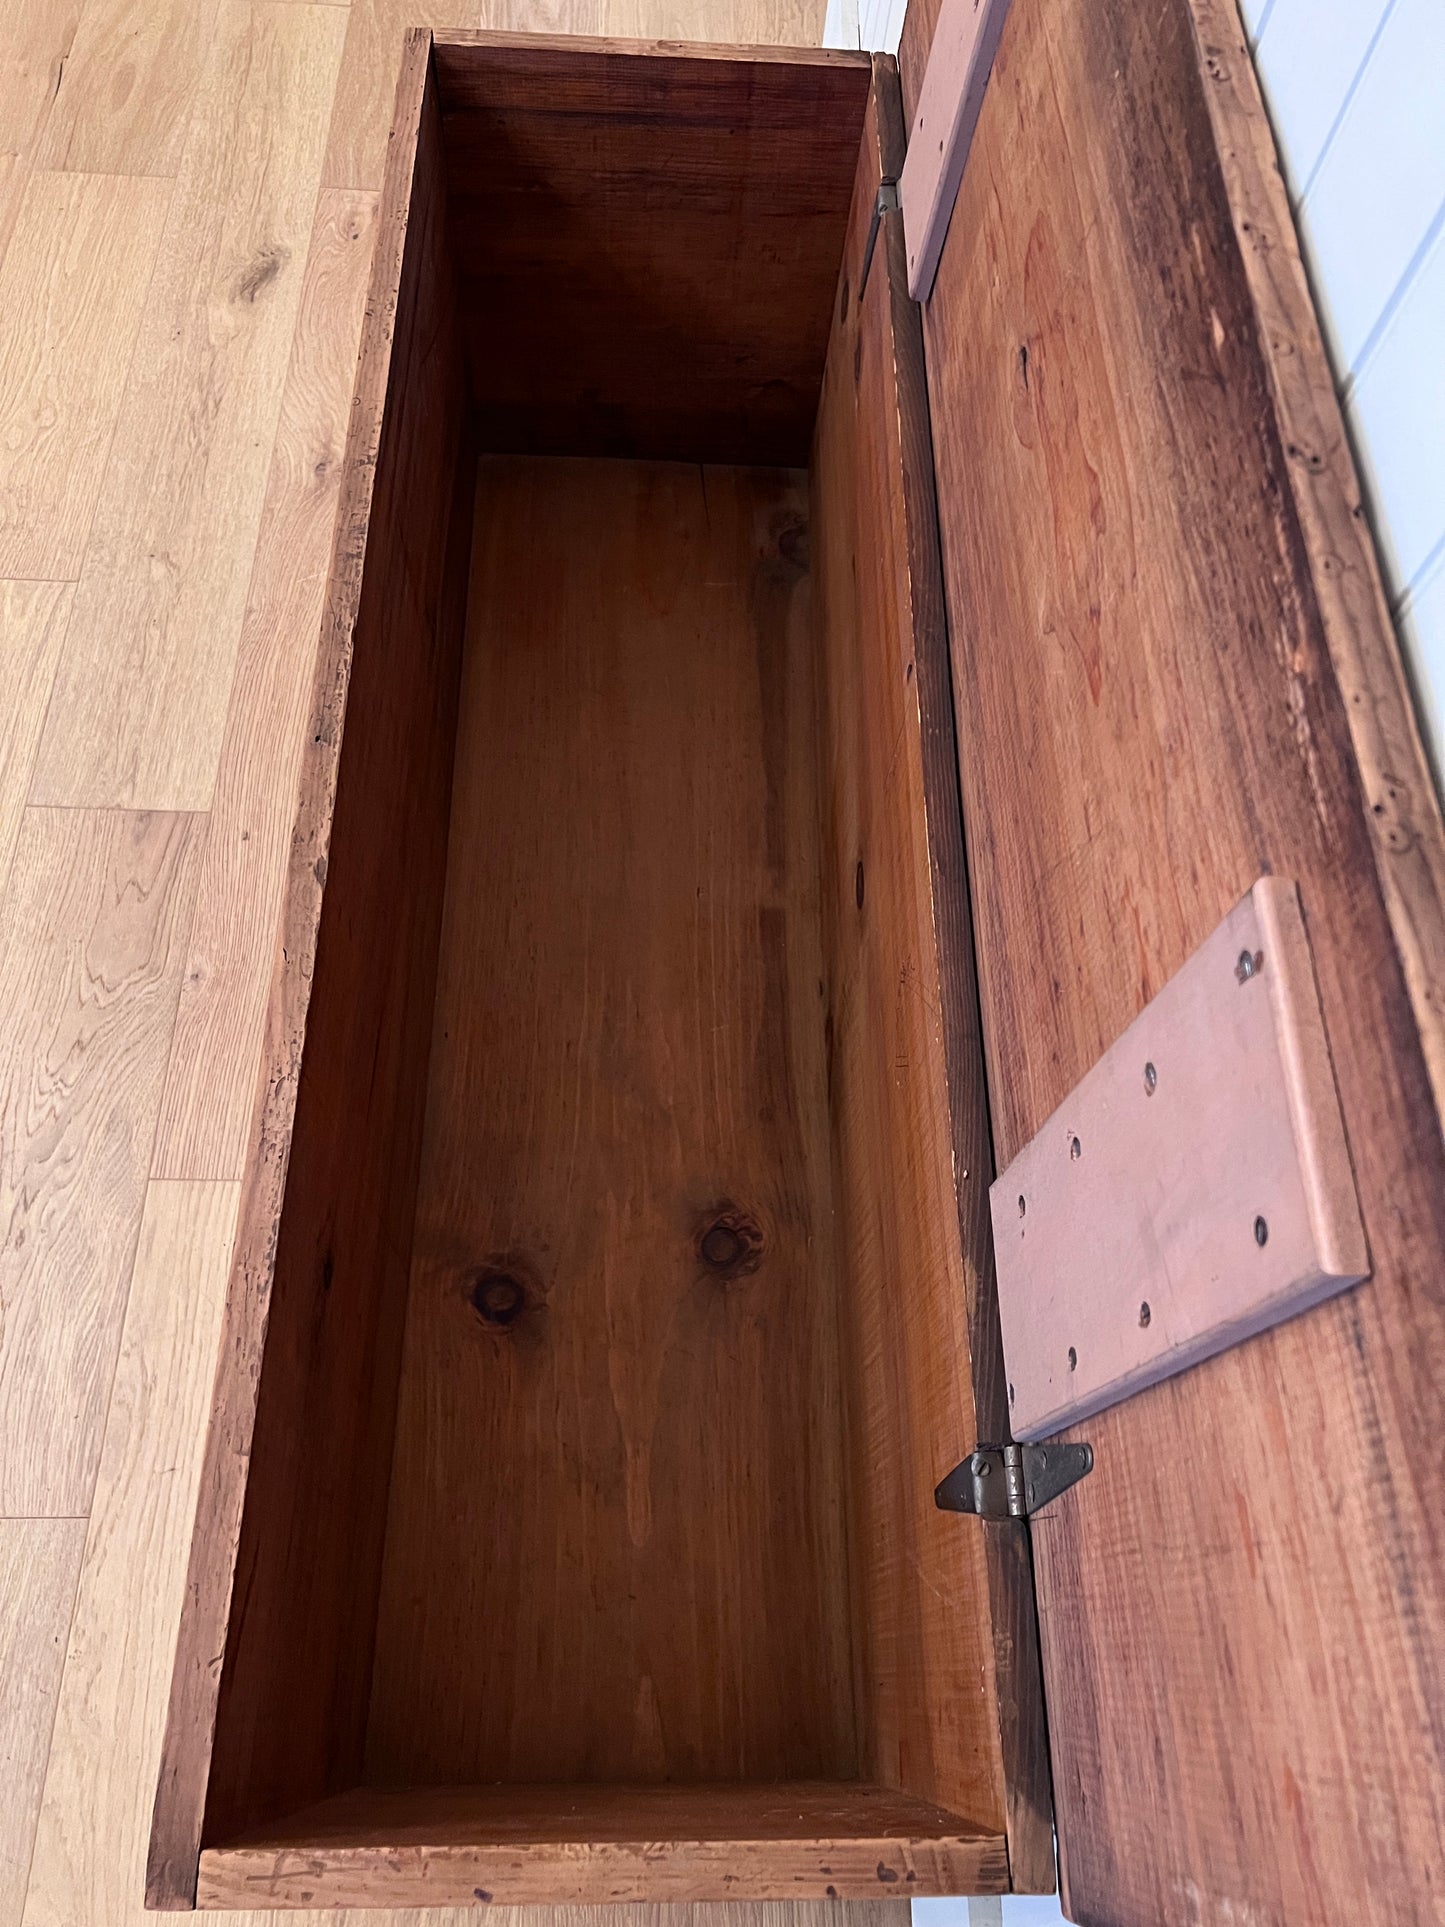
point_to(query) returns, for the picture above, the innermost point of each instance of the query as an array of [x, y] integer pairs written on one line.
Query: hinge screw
[[1151, 1079]]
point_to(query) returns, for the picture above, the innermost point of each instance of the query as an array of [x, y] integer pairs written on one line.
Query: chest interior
[[619, 1323]]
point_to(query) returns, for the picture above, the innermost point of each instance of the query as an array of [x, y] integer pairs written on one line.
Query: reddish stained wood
[[648, 239], [373, 839], [616, 1546], [570, 1844], [301, 1636], [1154, 708], [951, 1708]]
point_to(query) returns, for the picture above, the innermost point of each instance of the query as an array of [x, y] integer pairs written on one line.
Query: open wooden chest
[[771, 738]]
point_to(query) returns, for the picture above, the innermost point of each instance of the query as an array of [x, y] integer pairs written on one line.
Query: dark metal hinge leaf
[[1013, 1481]]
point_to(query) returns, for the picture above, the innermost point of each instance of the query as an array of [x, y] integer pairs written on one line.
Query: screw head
[[1073, 1359], [1023, 1206], [1144, 1313], [1261, 1232], [1151, 1079], [1250, 963], [1076, 1150]]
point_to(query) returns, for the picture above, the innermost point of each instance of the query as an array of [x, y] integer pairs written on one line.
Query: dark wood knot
[[730, 1243], [793, 544], [498, 1297]]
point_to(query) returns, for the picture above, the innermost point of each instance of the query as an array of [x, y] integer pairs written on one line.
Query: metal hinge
[[886, 203], [1012, 1481]]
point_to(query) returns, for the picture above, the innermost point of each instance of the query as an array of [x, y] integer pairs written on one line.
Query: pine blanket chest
[[772, 740]]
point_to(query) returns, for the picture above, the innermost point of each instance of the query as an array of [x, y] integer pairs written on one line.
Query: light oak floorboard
[[90, 1843], [123, 102], [35, 41], [210, 1085], [91, 945], [145, 678], [39, 1560], [33, 616], [72, 289]]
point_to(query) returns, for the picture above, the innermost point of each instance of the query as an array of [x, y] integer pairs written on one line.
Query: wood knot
[[497, 1295], [260, 272], [793, 544], [730, 1243]]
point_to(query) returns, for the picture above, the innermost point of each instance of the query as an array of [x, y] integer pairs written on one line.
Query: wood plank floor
[[187, 207]]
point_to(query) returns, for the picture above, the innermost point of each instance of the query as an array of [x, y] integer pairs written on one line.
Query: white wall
[[875, 24], [1356, 91]]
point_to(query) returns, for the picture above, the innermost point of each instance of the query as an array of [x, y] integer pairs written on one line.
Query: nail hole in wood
[[858, 884]]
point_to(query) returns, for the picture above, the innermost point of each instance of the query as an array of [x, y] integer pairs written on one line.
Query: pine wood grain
[[91, 943], [1398, 788], [39, 1562], [338, 1130], [73, 287], [628, 1043], [206, 1112], [1242, 1669], [145, 678], [90, 1844], [33, 616], [356, 153], [953, 1709], [122, 104], [493, 1844], [695, 333]]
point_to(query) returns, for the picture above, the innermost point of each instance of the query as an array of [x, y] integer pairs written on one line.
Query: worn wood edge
[[702, 50], [1314, 1104], [1019, 1693], [1398, 789], [591, 1873], [173, 1856]]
